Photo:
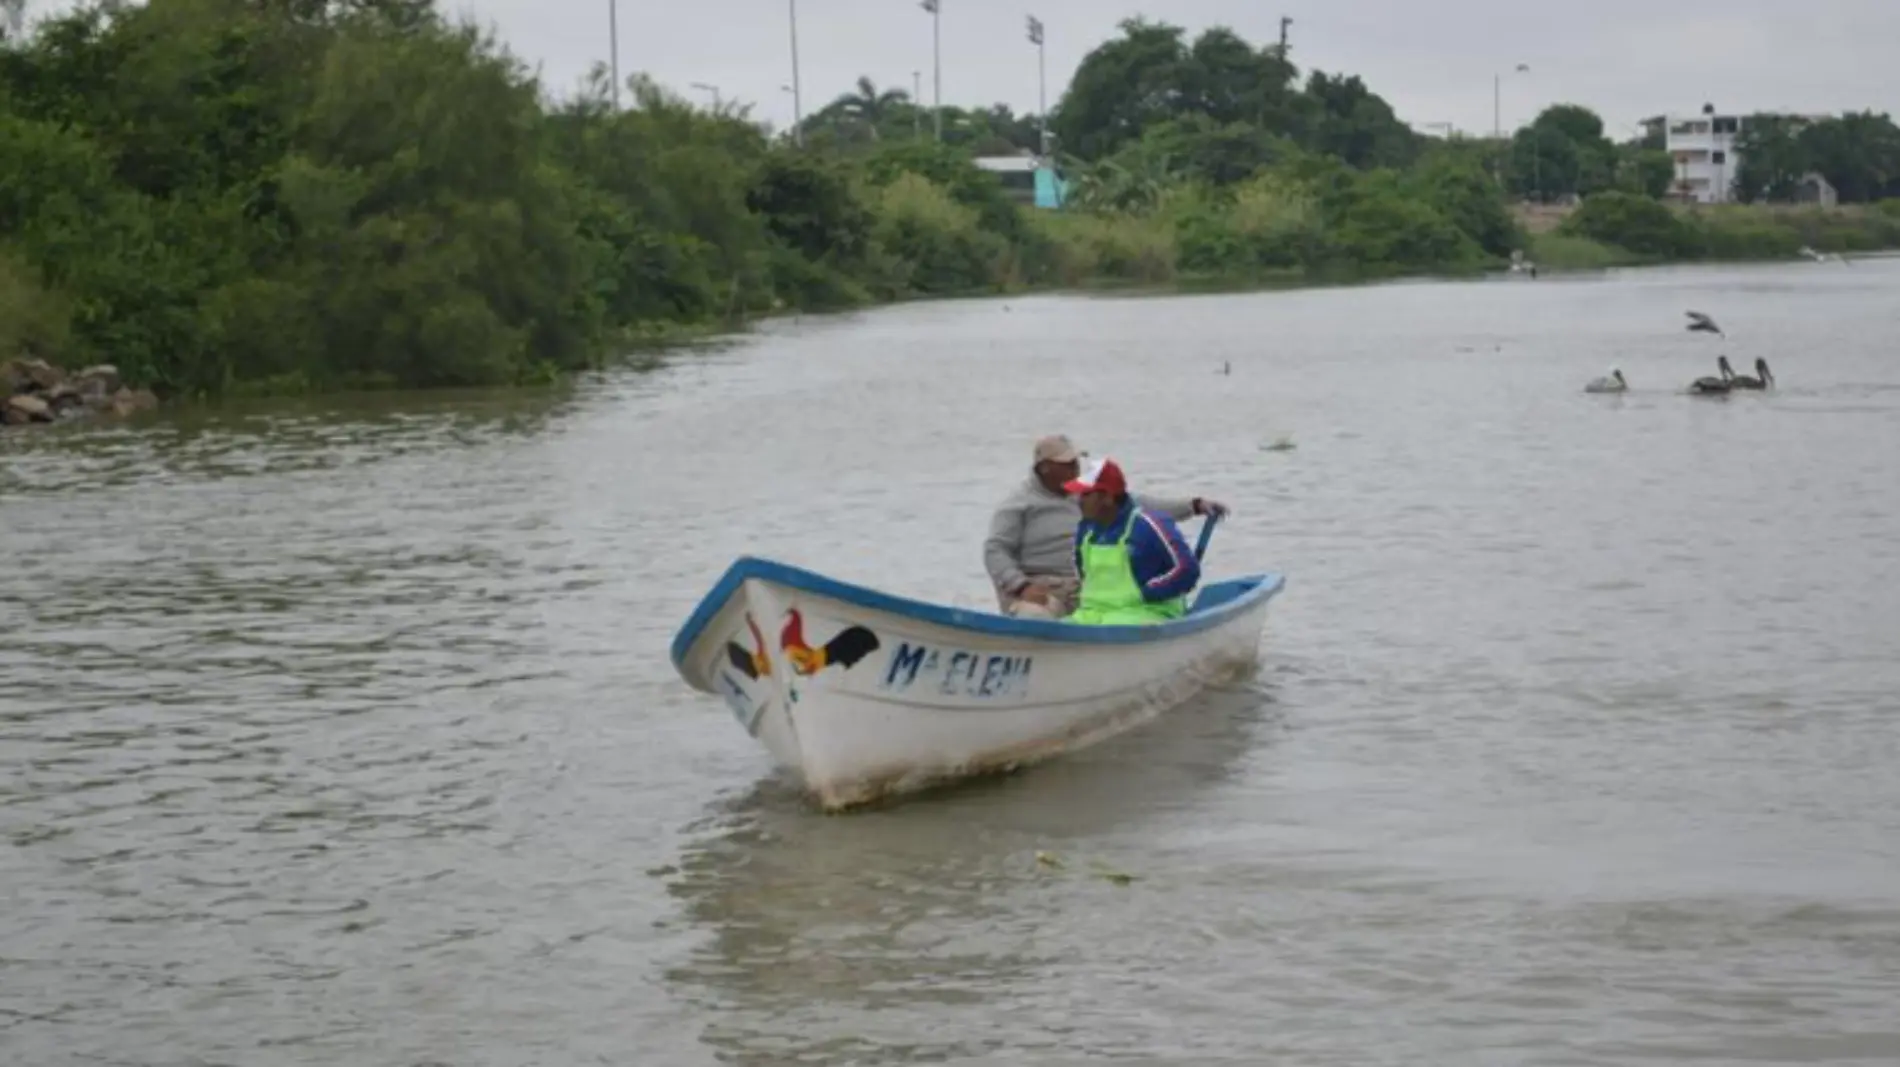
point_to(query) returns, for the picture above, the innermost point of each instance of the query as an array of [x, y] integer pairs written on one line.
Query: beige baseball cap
[[1056, 448]]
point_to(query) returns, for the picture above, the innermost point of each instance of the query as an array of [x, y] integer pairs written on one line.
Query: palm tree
[[871, 107]]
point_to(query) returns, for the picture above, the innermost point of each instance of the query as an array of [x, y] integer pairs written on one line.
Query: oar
[[1207, 534]]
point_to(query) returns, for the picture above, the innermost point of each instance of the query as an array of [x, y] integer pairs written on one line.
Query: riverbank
[[38, 392], [1619, 230]]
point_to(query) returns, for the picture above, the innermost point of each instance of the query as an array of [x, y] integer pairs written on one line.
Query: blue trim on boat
[[1215, 602]]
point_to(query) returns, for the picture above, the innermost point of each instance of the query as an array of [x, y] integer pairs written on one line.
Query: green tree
[[867, 114], [1122, 87], [1772, 159], [1580, 124], [937, 240], [1228, 81], [666, 188], [821, 225], [1858, 152], [1562, 153], [1128, 183], [953, 173], [1376, 223], [1355, 124], [1457, 186], [1635, 223], [873, 107], [1200, 148], [1644, 171]]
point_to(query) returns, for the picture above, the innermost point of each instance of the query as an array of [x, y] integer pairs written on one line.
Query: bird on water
[[1614, 383], [1715, 386], [1764, 380]]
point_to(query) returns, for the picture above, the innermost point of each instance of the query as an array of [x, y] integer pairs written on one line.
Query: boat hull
[[866, 696]]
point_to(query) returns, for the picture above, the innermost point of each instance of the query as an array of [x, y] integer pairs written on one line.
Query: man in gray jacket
[[1030, 552]]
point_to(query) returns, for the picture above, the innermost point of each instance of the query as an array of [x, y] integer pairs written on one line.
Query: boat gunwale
[[1264, 586]]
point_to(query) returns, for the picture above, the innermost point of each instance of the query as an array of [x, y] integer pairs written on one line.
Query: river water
[[343, 732]]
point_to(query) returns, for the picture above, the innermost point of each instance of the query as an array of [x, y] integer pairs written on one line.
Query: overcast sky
[[1432, 59]]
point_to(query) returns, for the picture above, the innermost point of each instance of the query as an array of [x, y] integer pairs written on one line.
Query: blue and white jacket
[[1163, 560]]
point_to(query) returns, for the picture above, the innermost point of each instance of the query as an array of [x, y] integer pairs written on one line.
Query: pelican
[[1615, 383], [1743, 381], [1715, 386], [1700, 323]]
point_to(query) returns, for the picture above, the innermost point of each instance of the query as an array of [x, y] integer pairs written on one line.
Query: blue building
[[1028, 179]]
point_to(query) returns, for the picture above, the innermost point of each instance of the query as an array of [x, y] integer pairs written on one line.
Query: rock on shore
[[33, 390]]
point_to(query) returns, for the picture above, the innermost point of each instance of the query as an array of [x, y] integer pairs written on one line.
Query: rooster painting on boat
[[866, 696]]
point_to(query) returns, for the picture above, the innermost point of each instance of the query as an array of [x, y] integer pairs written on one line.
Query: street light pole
[[1537, 155], [713, 89], [613, 45], [1497, 116], [935, 7], [798, 124], [917, 104], [1042, 87]]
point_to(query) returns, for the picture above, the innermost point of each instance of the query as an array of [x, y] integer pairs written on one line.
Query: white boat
[[867, 696]]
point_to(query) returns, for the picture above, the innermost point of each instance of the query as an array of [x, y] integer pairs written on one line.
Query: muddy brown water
[[343, 731]]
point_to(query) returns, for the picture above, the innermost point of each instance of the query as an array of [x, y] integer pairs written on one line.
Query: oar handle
[[1207, 534]]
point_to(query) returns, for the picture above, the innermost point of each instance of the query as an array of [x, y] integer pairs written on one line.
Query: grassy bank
[[1157, 249], [1562, 252], [1616, 230]]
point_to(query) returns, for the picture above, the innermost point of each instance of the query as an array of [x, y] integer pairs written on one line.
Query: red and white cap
[[1100, 476]]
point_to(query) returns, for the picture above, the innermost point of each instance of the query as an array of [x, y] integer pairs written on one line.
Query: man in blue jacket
[[1135, 564]]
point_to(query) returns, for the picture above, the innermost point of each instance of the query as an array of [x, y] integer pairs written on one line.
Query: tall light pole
[[1042, 87], [613, 45], [936, 59], [713, 89], [1537, 154], [917, 104], [798, 123], [1497, 116]]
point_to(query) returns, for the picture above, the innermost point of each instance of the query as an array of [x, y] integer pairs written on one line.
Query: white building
[[1703, 147]]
